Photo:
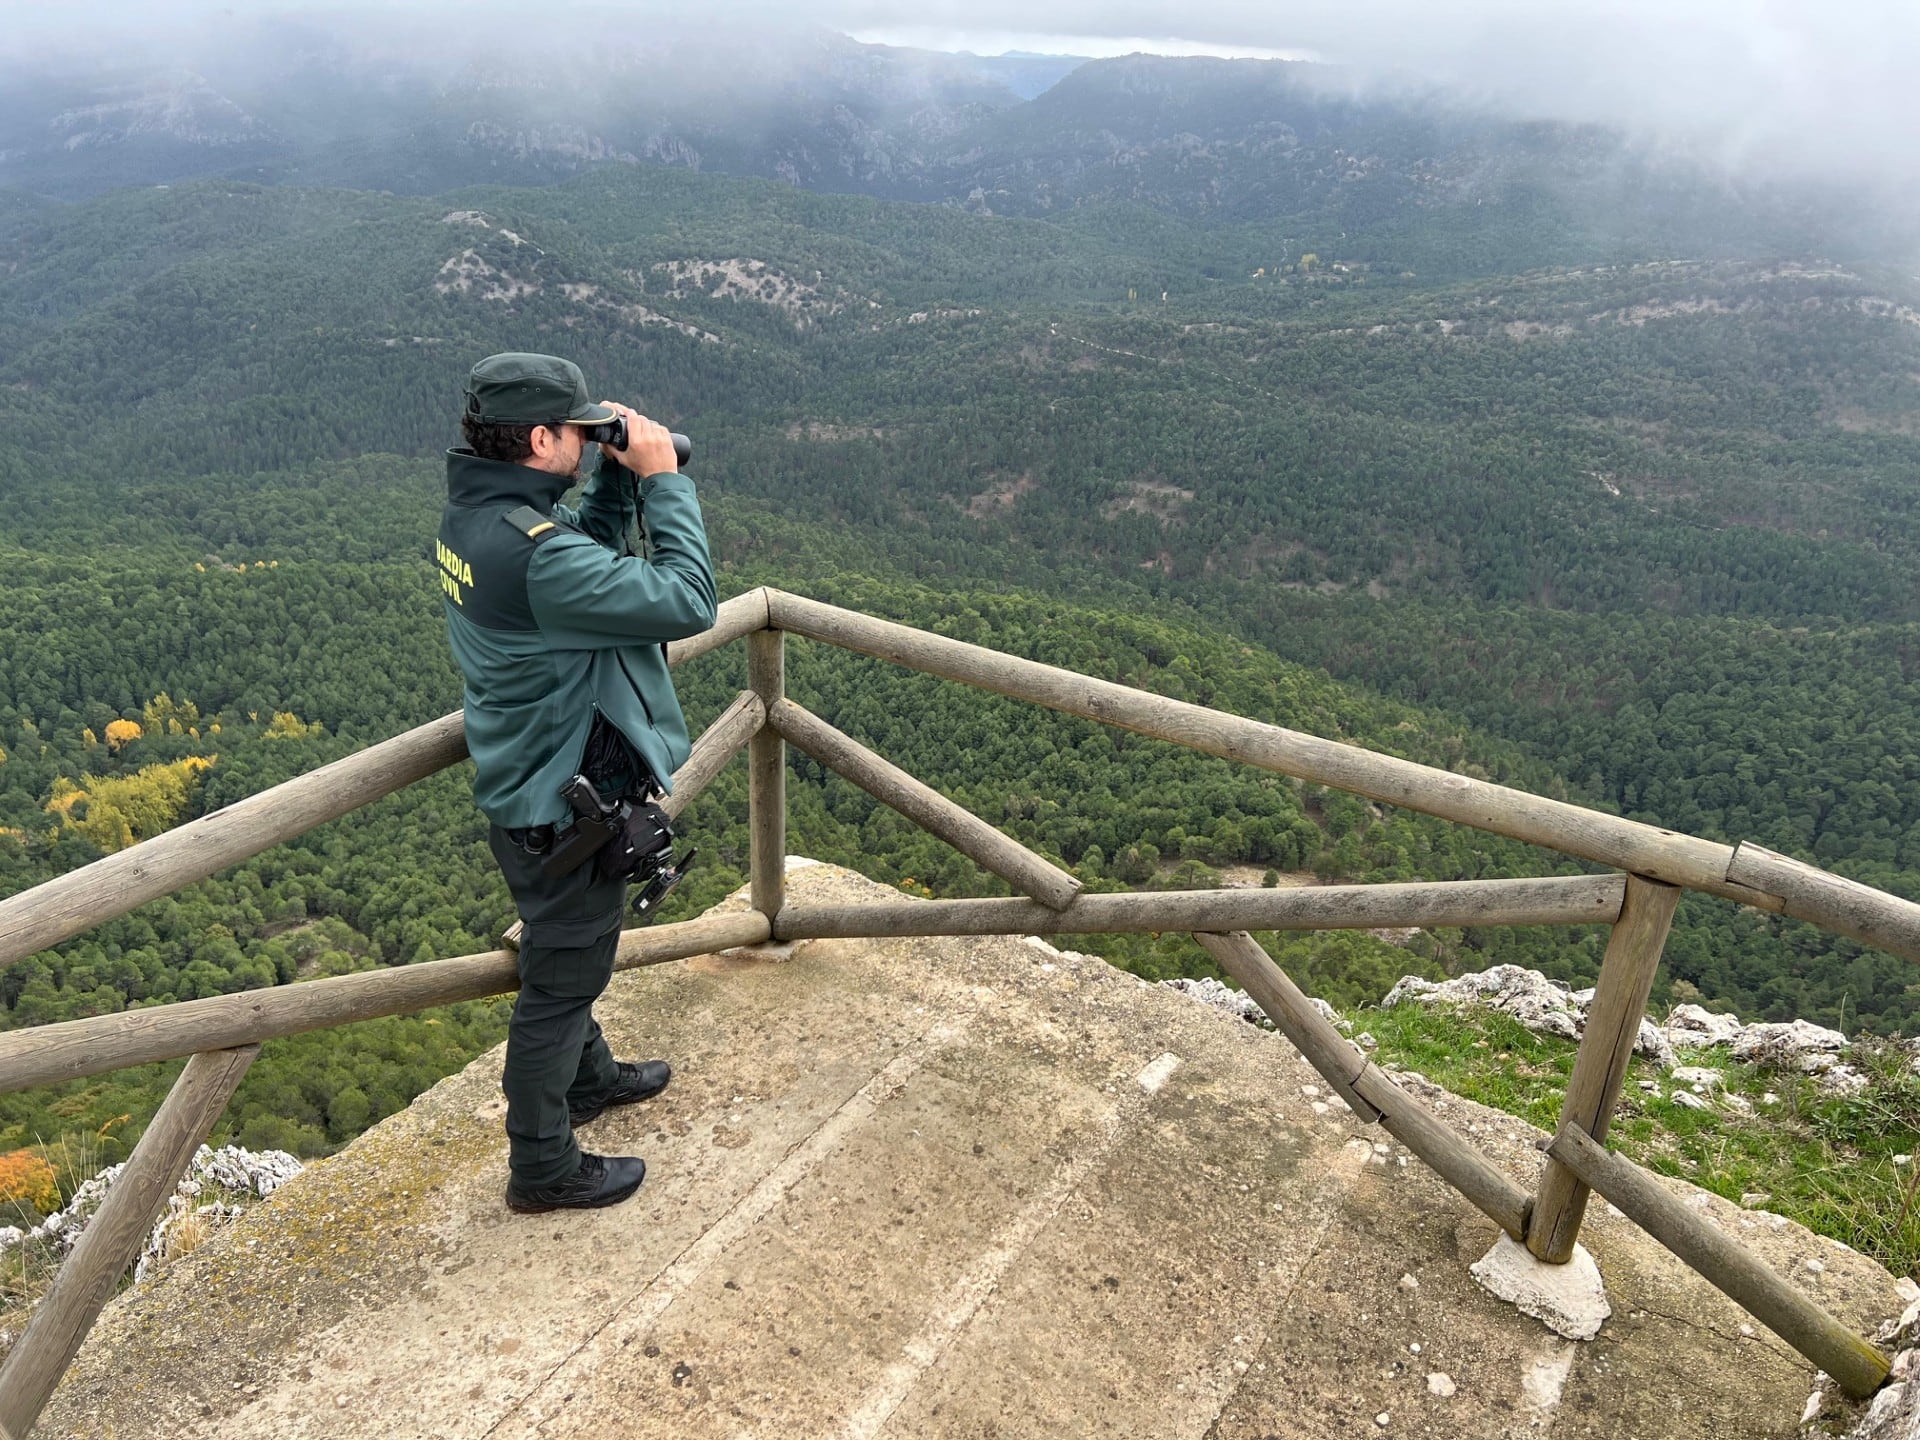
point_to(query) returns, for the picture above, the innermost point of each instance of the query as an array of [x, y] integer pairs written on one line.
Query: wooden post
[[1725, 1263], [926, 807], [112, 1240], [767, 775], [1599, 1070]]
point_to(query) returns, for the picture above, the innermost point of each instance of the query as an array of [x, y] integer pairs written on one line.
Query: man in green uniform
[[561, 635]]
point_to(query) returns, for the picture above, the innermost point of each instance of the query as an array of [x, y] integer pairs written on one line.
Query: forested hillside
[[1500, 488]]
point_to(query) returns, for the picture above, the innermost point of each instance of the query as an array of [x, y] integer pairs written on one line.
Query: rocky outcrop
[[1548, 1007], [209, 1195], [1894, 1413], [1209, 991], [1544, 1006], [928, 1187]]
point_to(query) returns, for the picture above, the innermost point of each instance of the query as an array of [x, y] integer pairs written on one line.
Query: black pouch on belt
[[645, 843]]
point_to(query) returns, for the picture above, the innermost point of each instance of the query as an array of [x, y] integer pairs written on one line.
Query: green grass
[[1843, 1166]]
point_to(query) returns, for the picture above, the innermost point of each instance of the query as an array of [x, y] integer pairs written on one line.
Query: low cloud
[[1758, 83], [1767, 86]]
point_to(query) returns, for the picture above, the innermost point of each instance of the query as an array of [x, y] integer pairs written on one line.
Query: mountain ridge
[[1326, 151]]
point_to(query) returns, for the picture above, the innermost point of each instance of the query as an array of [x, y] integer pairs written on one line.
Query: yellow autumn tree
[[120, 732], [166, 716], [286, 725], [65, 796], [122, 810], [27, 1178]]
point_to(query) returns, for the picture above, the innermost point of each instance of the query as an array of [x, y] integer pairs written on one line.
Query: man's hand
[[649, 446]]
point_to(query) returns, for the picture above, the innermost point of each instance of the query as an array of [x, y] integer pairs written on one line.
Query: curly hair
[[509, 443]]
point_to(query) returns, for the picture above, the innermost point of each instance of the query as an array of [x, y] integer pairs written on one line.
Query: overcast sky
[[1761, 83]]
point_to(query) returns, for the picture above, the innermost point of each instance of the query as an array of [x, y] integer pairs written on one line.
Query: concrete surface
[[927, 1188]]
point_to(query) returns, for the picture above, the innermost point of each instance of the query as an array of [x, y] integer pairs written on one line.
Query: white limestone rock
[[1222, 997], [1693, 1027], [1893, 1413], [1842, 1080], [1795, 1045], [1329, 1014], [1544, 1006], [230, 1171], [1568, 1299], [1700, 1077]]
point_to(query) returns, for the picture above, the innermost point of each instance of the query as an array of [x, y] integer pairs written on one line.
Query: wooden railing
[[222, 1034]]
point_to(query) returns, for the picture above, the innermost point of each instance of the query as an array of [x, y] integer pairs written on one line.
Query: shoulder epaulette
[[535, 526]]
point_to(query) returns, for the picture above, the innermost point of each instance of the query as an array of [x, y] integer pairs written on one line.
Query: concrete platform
[[926, 1188]]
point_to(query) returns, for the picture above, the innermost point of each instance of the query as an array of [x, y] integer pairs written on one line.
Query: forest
[[1638, 533]]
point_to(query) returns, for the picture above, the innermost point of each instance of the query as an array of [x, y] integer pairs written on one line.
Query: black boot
[[639, 1080], [600, 1180]]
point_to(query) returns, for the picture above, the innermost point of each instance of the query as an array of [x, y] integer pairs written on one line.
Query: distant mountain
[[297, 104], [1253, 141], [1303, 151]]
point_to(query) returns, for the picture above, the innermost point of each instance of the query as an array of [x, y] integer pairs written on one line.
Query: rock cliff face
[[928, 1187]]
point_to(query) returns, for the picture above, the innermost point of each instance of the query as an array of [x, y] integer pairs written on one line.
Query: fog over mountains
[[411, 109]]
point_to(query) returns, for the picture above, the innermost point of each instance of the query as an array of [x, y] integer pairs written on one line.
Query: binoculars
[[614, 433]]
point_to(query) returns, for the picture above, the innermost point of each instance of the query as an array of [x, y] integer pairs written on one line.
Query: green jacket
[[552, 624]]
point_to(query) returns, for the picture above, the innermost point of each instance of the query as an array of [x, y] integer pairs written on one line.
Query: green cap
[[520, 389]]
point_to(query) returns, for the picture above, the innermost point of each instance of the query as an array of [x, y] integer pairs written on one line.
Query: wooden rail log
[[112, 1240], [1445, 1151], [925, 806], [62, 908], [83, 898], [1364, 1086], [1600, 1068], [75, 1048], [742, 615], [1725, 1263], [1554, 900], [1337, 1058], [1832, 901], [1623, 844], [717, 745]]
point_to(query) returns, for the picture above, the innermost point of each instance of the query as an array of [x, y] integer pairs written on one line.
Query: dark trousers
[[557, 1059]]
